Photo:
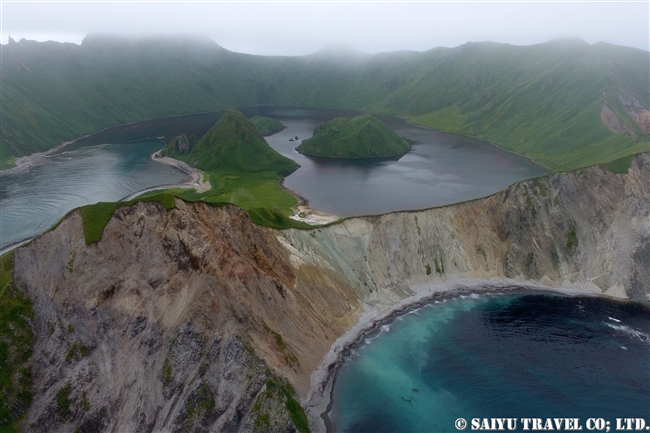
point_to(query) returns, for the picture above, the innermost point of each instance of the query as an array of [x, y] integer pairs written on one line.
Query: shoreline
[[306, 214], [196, 181], [26, 163], [318, 402], [483, 140]]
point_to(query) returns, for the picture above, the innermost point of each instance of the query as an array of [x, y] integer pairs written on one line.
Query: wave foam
[[634, 333]]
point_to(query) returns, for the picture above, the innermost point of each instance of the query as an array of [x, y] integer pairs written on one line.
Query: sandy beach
[[26, 163], [197, 180], [318, 402], [311, 216]]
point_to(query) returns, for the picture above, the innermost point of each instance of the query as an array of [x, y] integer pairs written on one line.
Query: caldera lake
[[440, 169]]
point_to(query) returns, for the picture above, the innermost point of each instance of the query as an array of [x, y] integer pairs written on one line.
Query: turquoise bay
[[511, 356]]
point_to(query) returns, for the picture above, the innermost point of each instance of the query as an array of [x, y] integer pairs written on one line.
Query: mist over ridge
[[564, 103]]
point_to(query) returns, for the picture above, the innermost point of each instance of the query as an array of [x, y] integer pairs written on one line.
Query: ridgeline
[[565, 103], [359, 137]]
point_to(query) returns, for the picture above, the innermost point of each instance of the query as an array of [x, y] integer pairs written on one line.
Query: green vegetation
[[243, 170], [166, 375], [179, 144], [96, 216], [5, 163], [529, 260], [202, 405], [15, 347], [289, 357], [359, 137], [266, 125], [572, 239], [75, 349], [84, 402], [63, 401], [428, 268], [235, 146], [621, 165], [542, 100], [296, 411]]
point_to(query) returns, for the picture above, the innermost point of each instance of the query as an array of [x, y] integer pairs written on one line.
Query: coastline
[[483, 140], [196, 181], [306, 214], [318, 401], [26, 163]]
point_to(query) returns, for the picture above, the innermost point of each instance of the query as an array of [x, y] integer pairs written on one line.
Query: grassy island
[[266, 125], [359, 137], [243, 169]]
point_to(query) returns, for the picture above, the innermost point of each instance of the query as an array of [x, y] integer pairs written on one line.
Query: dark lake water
[[440, 169], [511, 356]]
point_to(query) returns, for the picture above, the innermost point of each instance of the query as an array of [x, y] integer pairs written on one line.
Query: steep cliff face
[[588, 228], [190, 319], [169, 323]]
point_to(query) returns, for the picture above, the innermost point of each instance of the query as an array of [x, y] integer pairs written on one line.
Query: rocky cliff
[[195, 319]]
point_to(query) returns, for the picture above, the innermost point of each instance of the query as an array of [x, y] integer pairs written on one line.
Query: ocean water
[[511, 356]]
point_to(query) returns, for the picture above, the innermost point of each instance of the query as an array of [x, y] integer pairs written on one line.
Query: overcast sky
[[296, 28]]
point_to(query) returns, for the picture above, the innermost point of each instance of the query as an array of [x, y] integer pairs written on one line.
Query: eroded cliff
[[191, 319]]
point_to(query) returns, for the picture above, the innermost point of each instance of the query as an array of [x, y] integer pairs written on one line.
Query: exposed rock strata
[[175, 319], [637, 112]]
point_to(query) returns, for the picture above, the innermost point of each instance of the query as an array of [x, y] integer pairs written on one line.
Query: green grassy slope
[[53, 92], [15, 347], [235, 146], [549, 107], [359, 137], [244, 170], [542, 100]]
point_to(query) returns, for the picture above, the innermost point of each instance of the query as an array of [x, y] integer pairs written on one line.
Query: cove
[[507, 355]]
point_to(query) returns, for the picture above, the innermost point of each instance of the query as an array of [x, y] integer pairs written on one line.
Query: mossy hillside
[[559, 129], [621, 165], [15, 347], [266, 125], [360, 137]]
